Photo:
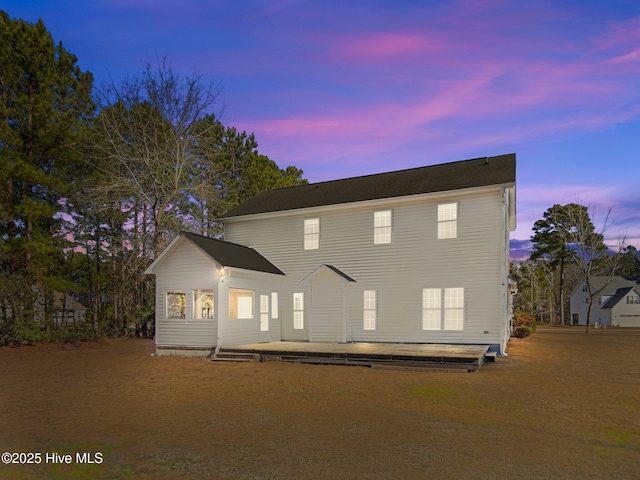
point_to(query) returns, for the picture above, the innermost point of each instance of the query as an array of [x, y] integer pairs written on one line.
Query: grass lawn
[[562, 405]]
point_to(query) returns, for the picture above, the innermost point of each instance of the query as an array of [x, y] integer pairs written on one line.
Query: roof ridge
[[402, 170], [441, 177]]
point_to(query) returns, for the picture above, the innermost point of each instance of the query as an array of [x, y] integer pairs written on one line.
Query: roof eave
[[387, 202]]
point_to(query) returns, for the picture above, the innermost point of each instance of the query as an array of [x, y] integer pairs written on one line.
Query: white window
[[382, 227], [312, 234], [632, 299], [264, 313], [370, 309], [453, 308], [176, 304], [435, 317], [431, 308], [448, 220], [202, 304], [298, 311], [240, 303], [274, 305]]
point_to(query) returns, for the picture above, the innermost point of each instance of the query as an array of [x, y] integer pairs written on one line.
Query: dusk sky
[[347, 88]]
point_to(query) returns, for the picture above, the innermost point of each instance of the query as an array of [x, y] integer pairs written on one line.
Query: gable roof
[[66, 302], [620, 294], [613, 284], [324, 267], [226, 254], [477, 172]]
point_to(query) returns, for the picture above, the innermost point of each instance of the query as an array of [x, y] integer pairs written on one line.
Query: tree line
[[96, 180], [568, 250]]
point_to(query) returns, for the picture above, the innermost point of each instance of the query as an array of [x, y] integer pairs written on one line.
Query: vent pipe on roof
[[486, 160]]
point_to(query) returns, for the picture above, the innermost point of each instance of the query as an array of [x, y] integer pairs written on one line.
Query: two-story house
[[617, 303], [411, 256]]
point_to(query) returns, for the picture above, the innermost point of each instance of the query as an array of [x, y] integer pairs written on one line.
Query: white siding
[[626, 314], [247, 330], [184, 269], [415, 259], [326, 316]]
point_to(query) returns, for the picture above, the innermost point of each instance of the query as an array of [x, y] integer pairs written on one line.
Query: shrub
[[524, 324], [521, 331]]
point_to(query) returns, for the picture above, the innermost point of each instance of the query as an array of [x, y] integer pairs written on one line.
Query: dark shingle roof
[[620, 294], [233, 255], [478, 172], [340, 272]]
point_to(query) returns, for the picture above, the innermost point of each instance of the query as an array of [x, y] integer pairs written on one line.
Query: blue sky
[[345, 88]]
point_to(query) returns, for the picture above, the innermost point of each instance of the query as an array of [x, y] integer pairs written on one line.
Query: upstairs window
[[176, 304], [202, 304], [447, 220], [632, 300], [382, 227], [312, 234], [370, 309]]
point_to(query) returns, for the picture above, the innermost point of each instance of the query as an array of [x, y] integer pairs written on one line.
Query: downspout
[[216, 286], [506, 323]]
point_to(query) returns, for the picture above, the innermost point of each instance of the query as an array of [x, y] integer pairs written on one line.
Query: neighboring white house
[[624, 307], [411, 256], [66, 309], [615, 305]]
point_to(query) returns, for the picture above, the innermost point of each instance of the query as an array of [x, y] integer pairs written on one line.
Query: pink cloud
[[620, 35], [385, 46], [621, 205]]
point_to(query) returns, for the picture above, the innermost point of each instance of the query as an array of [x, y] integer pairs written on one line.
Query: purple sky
[[357, 87]]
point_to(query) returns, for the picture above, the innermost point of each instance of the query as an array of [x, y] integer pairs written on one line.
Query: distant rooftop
[[478, 172]]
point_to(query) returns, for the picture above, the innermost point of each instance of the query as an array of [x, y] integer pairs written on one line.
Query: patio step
[[223, 356], [463, 358], [389, 363]]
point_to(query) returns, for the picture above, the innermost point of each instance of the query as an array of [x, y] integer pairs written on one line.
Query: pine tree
[[44, 103]]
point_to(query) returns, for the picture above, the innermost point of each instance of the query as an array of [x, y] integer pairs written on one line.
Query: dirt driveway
[[562, 405]]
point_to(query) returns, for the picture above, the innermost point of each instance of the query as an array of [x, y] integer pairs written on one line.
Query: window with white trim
[[443, 309], [447, 220], [312, 234], [632, 300], [454, 308], [370, 309], [264, 313], [240, 303], [382, 227], [203, 304], [274, 305], [298, 311], [431, 308], [176, 304]]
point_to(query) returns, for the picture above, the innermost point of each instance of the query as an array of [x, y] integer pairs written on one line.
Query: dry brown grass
[[562, 405]]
